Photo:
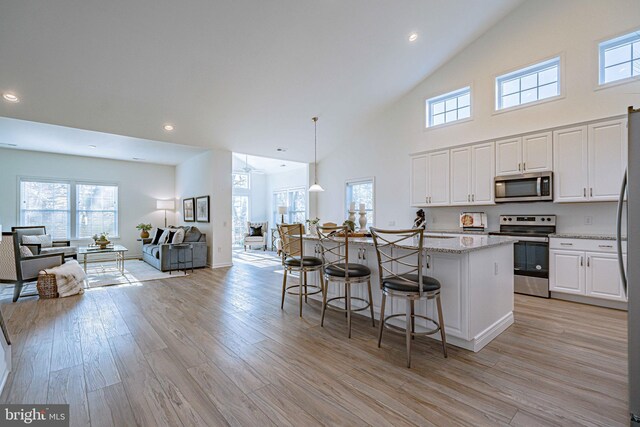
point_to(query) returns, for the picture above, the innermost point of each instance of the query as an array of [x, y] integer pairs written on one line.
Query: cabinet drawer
[[606, 246]]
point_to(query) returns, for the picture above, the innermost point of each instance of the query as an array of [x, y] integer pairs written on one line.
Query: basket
[[47, 286]]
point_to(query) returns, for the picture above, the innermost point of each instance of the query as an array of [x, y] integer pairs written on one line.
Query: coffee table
[[117, 250]]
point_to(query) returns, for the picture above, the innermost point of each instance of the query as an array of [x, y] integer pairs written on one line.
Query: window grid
[[296, 201], [517, 88], [620, 58], [96, 210], [450, 107]]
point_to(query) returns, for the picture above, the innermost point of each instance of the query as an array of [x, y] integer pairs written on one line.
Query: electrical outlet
[[588, 220], [219, 249], [495, 268]]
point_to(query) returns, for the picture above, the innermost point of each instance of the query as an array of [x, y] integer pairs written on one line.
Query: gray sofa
[[158, 255]]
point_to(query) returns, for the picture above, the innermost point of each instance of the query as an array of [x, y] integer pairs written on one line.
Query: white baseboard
[[486, 336], [221, 265]]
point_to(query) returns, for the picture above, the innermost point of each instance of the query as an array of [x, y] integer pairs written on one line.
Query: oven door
[[524, 188], [531, 267]]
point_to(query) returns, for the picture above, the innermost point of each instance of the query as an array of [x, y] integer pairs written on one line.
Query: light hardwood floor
[[214, 348]]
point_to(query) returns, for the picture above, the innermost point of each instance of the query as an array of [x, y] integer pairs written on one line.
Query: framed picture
[[202, 209], [188, 209]]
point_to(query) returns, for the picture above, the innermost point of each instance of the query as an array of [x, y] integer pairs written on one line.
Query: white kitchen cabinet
[[438, 178], [589, 161], [589, 268], [472, 173], [603, 276], [418, 183], [567, 273], [607, 153], [430, 179], [524, 154]]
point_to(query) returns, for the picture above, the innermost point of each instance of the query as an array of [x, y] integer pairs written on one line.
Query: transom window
[[620, 58], [49, 203], [534, 83], [357, 192], [449, 107]]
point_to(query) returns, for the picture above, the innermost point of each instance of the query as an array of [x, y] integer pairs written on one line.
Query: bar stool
[[293, 259], [396, 248], [334, 243]]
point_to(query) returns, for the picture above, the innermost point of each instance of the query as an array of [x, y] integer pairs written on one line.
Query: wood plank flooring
[[214, 348]]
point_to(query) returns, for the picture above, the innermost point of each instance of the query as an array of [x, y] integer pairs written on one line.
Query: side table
[[181, 262]]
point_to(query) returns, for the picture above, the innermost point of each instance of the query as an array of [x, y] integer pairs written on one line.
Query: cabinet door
[[607, 159], [570, 164], [419, 181], [603, 277], [482, 174], [537, 152], [509, 156], [567, 272], [461, 176], [438, 178]]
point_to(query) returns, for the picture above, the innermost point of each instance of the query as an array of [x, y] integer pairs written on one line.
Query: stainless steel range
[[531, 253]]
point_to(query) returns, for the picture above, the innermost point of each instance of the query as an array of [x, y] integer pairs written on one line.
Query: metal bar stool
[[395, 249], [293, 259], [334, 243]]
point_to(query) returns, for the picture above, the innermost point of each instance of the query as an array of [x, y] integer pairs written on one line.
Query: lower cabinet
[[584, 271]]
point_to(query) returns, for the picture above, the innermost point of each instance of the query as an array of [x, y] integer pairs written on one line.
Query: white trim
[[628, 33], [222, 265], [425, 123]]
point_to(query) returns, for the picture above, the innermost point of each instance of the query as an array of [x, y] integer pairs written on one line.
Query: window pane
[[438, 119], [97, 210], [438, 108], [240, 217], [510, 86], [46, 203], [361, 192], [464, 113], [636, 50], [617, 72], [548, 91], [617, 55], [636, 67], [529, 96], [464, 100], [451, 116], [451, 104], [548, 76], [529, 81], [510, 100]]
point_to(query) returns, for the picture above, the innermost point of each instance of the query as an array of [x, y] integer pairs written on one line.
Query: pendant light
[[315, 188]]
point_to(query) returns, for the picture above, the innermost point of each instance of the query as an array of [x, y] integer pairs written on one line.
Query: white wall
[[209, 174], [535, 31], [140, 185], [258, 199]]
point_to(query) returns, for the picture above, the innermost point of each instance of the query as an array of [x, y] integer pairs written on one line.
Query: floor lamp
[[165, 205], [282, 210]]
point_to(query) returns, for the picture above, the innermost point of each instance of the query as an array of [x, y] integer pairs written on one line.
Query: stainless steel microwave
[[528, 187]]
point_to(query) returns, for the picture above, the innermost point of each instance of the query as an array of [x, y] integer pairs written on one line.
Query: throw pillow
[[44, 240], [164, 238], [178, 237], [255, 231], [172, 233], [156, 237], [192, 235], [25, 252]]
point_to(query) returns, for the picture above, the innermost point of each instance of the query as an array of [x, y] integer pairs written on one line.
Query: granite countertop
[[455, 245], [584, 236], [457, 231]]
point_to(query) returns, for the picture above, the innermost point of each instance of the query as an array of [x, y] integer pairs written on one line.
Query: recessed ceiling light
[[10, 97], [282, 150], [168, 128], [283, 165], [413, 37], [4, 144], [138, 158], [93, 146]]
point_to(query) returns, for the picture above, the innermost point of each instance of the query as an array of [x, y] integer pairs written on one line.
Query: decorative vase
[[352, 216], [313, 229], [144, 234], [102, 243], [363, 221]]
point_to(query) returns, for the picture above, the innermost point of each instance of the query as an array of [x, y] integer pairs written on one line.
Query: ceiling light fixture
[[282, 150], [138, 158], [413, 37], [4, 144], [315, 188], [168, 128], [10, 97], [283, 165]]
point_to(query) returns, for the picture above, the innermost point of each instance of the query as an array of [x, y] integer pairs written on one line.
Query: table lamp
[[165, 205], [282, 210]]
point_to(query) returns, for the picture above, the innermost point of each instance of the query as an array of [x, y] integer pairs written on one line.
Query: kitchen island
[[476, 275]]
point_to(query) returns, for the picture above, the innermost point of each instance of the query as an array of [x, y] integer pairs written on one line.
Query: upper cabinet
[[590, 161], [472, 173], [430, 179], [523, 154]]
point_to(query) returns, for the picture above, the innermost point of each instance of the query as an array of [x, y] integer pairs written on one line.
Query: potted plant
[[313, 225], [144, 230], [101, 240], [351, 225]]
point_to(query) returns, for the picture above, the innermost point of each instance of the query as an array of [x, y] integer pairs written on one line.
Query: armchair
[[57, 246], [256, 240], [28, 267]]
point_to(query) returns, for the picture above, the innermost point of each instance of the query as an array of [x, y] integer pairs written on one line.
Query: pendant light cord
[[315, 150]]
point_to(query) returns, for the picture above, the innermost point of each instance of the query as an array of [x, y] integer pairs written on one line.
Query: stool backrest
[[402, 248], [334, 243], [291, 238]]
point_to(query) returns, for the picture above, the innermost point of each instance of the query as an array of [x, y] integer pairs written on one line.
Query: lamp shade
[[316, 188], [166, 204], [282, 210]]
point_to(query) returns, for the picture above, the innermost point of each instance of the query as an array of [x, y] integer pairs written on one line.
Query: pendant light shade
[[315, 188]]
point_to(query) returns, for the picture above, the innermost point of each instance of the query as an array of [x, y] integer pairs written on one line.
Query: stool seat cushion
[[355, 270], [429, 284], [307, 261]]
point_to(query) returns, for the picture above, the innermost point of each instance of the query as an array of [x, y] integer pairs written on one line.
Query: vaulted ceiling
[[246, 75]]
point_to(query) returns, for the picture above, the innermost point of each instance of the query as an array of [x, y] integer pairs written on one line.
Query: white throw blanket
[[70, 278]]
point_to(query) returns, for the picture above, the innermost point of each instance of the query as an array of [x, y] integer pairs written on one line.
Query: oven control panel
[[528, 220]]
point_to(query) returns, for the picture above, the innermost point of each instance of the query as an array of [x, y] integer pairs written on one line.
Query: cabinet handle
[[473, 197], [566, 244], [428, 261], [581, 261], [468, 198], [591, 192], [524, 166], [364, 254], [584, 192], [519, 167], [426, 199], [588, 261], [605, 246]]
